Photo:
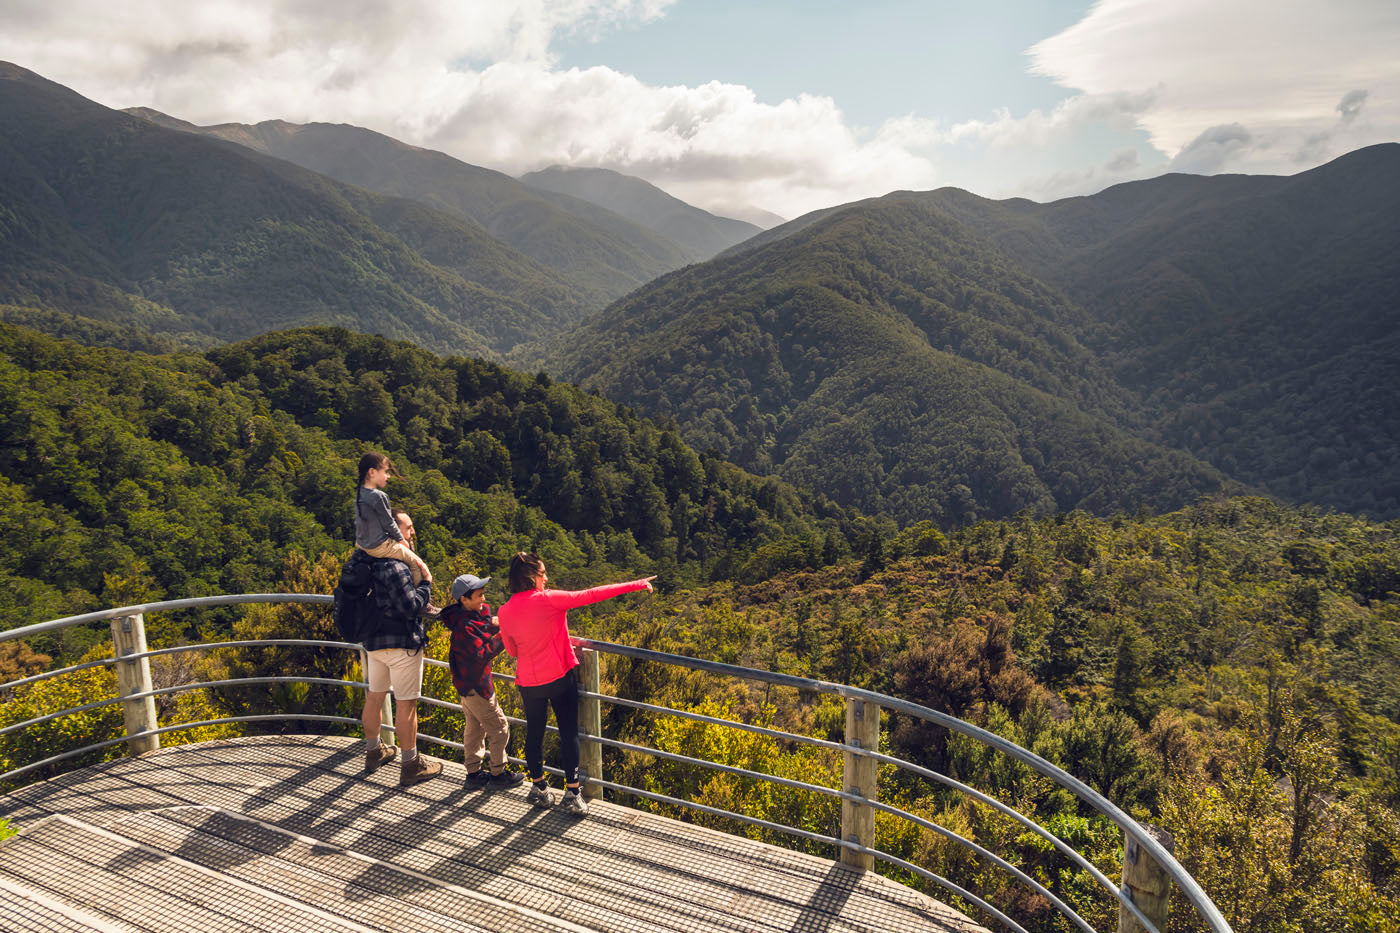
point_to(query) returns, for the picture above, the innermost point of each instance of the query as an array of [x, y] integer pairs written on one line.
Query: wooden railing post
[[590, 722], [861, 776], [128, 638], [1145, 883]]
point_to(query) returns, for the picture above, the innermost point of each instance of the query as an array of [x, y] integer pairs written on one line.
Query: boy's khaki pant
[[484, 725], [399, 551]]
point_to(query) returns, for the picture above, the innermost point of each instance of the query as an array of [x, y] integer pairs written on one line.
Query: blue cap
[[468, 583]]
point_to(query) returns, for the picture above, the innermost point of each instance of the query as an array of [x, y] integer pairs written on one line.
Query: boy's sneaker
[[540, 796], [379, 756], [506, 778], [478, 779], [417, 770], [574, 805]]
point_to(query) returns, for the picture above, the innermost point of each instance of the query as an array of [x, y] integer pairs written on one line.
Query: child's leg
[[497, 733], [397, 550], [473, 733]]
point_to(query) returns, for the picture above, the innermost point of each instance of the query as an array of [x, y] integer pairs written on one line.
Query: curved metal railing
[[131, 652]]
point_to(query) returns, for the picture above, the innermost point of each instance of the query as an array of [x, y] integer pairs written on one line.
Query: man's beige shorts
[[396, 669]]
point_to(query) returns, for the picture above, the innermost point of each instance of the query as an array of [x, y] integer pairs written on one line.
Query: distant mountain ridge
[[599, 253], [886, 356], [1249, 322], [112, 218], [703, 234]]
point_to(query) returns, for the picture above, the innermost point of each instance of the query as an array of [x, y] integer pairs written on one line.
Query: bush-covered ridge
[[889, 358], [1230, 671], [129, 475]]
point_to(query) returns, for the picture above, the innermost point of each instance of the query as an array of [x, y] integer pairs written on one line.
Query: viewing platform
[[285, 832], [288, 833]]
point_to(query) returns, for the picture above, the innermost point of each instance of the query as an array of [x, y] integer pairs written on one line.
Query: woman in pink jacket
[[536, 633]]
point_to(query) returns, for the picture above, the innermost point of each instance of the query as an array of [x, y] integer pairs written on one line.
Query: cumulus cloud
[[1277, 68], [475, 79]]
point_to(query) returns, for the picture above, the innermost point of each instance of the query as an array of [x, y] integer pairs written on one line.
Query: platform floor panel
[[293, 820]]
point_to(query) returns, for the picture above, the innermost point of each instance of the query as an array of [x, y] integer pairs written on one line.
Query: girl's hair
[[373, 461], [524, 567], [370, 461]]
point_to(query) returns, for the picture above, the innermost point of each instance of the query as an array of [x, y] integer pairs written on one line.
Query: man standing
[[394, 639]]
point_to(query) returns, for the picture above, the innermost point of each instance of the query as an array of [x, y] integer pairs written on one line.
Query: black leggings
[[562, 694]]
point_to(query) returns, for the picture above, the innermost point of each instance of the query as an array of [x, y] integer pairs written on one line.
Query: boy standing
[[475, 641]]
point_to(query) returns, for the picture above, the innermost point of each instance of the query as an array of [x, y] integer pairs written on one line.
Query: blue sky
[[876, 59], [782, 107]]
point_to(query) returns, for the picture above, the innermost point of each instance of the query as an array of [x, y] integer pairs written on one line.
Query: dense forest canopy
[[186, 474], [1051, 419]]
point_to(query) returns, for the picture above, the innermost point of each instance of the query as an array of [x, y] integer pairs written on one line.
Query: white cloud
[[476, 78], [1274, 68]]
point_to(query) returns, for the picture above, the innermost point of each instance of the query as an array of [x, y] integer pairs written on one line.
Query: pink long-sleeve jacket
[[536, 631]]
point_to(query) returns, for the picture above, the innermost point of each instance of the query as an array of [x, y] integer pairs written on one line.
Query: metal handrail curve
[[1202, 903]]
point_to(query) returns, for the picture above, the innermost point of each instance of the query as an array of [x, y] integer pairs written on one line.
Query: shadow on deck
[[285, 833]]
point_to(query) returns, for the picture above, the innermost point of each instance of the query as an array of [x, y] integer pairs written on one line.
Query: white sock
[[409, 754]]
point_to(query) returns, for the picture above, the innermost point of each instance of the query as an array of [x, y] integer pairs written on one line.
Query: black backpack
[[352, 600]]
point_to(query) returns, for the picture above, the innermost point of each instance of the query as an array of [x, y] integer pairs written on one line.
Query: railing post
[[1145, 882], [128, 638], [590, 722], [386, 709], [861, 776]]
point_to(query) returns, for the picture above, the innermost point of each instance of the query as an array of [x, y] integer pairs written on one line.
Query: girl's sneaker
[[574, 805], [540, 796]]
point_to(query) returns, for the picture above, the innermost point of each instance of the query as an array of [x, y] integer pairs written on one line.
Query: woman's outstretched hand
[[647, 581]]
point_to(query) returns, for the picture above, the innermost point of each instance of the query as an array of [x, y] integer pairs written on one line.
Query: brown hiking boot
[[380, 756], [417, 770]]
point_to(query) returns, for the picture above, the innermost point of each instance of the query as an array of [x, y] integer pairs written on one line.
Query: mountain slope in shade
[[111, 217], [595, 251], [888, 357], [701, 233], [1257, 316], [1249, 321]]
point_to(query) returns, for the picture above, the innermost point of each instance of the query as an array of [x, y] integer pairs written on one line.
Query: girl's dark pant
[[562, 694]]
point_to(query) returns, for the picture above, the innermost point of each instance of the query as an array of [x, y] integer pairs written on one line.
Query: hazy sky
[[782, 106]]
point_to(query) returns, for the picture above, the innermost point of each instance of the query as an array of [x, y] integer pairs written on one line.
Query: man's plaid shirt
[[398, 623]]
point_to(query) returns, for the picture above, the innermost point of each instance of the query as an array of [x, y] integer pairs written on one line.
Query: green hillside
[[888, 357], [599, 254], [112, 218], [130, 475], [1244, 322], [1255, 316], [1229, 672]]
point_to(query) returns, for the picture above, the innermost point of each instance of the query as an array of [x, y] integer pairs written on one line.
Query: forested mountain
[[1229, 672], [1247, 322], [1259, 317], [701, 233], [180, 475], [110, 217], [599, 254], [1256, 318], [892, 358]]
